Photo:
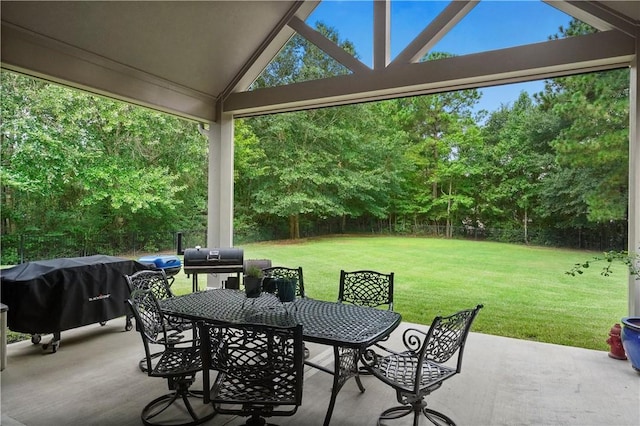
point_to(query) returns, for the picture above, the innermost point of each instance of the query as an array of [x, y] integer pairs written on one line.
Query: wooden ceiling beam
[[598, 51]]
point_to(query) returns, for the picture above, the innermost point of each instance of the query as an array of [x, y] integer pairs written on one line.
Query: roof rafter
[[603, 50], [433, 33], [596, 14], [381, 34], [328, 46], [269, 48]]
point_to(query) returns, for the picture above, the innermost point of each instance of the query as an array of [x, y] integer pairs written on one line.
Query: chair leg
[[255, 420], [437, 418], [161, 404], [394, 413], [400, 411], [359, 383]]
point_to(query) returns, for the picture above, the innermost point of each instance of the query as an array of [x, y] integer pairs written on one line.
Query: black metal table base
[[400, 411], [344, 367]]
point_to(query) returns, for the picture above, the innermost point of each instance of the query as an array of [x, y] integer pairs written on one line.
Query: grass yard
[[525, 291]]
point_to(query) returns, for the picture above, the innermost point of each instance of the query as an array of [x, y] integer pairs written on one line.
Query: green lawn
[[525, 291]]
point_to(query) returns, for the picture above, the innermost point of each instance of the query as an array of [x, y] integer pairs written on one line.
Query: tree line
[[553, 166]]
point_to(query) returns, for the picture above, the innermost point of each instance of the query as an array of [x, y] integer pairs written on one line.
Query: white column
[[220, 193], [634, 177]]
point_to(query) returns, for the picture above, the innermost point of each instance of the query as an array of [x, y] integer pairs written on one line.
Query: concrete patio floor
[[94, 379]]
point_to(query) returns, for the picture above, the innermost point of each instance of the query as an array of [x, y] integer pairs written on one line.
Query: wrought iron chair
[[366, 288], [283, 272], [156, 281], [420, 369], [178, 364], [260, 369]]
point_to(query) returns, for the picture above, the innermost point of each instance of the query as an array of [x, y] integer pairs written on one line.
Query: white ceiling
[[186, 57]]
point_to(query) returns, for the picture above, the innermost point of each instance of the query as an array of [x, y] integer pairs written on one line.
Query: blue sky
[[492, 24]]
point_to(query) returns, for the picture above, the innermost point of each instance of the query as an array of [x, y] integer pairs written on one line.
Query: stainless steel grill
[[213, 261]]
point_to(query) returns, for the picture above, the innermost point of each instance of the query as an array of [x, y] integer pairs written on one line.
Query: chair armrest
[[176, 323], [369, 357], [412, 338]]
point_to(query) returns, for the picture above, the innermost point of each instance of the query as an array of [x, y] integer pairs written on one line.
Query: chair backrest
[[149, 320], [446, 337], [366, 288], [258, 366], [154, 280], [287, 273]]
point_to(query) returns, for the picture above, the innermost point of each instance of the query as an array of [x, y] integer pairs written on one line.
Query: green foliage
[[72, 162], [610, 259], [438, 141], [316, 164], [593, 141], [254, 271], [555, 163], [300, 61]]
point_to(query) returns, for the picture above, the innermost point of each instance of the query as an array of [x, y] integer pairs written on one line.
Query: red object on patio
[[615, 342]]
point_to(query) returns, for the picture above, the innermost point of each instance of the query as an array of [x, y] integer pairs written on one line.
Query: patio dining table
[[347, 328]]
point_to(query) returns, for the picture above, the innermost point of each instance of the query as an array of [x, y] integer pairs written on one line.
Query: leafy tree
[[595, 140], [80, 163], [301, 61], [520, 158], [592, 147], [436, 127], [321, 163]]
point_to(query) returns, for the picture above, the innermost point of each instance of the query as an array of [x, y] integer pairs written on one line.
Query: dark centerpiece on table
[[286, 289], [253, 281]]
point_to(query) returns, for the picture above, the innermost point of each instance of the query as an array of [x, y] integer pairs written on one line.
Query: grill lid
[[213, 257]]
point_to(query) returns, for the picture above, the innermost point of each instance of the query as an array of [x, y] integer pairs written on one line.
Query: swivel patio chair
[[420, 369], [260, 369], [178, 364], [366, 288], [156, 281]]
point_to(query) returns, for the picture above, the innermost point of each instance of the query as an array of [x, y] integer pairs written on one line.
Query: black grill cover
[[212, 257], [49, 296]]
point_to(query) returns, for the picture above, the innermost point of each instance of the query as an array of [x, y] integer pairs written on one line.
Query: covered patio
[[94, 379], [197, 60]]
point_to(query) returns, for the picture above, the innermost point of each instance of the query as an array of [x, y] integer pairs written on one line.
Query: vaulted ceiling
[[195, 59]]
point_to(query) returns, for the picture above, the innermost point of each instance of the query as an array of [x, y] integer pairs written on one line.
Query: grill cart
[[212, 261], [50, 296]]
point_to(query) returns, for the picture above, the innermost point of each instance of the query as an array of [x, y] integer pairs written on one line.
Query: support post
[[220, 184], [634, 177]]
